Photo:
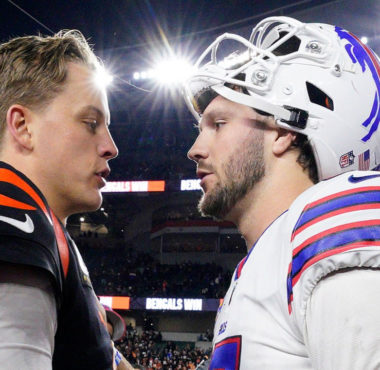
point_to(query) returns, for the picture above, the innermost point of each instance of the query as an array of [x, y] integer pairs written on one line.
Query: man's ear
[[18, 121], [283, 141]]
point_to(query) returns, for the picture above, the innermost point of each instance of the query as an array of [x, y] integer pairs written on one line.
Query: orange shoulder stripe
[[63, 247], [9, 202], [10, 177]]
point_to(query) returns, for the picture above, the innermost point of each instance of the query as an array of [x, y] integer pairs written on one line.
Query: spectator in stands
[[143, 350], [116, 329]]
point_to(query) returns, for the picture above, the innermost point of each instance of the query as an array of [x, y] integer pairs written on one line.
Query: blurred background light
[[171, 71], [103, 78], [364, 40]]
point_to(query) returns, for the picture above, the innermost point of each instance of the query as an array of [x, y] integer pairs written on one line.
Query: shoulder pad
[[29, 231], [337, 227]]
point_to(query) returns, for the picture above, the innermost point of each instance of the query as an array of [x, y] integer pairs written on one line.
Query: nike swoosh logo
[[26, 226], [354, 179]]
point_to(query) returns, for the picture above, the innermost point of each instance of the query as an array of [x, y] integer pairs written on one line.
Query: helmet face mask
[[315, 79]]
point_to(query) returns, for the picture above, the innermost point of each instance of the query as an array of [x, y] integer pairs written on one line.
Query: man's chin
[[209, 206], [92, 204]]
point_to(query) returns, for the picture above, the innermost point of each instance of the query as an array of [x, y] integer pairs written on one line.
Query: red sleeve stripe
[[358, 207], [334, 230], [331, 252], [341, 194]]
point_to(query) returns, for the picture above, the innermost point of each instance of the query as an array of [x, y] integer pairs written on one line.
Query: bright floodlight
[[364, 39], [172, 71], [103, 78]]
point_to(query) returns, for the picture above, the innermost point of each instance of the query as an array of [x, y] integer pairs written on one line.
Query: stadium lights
[[167, 72], [364, 40], [172, 71], [103, 78], [143, 75]]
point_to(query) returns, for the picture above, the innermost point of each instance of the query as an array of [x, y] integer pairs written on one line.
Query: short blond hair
[[33, 69]]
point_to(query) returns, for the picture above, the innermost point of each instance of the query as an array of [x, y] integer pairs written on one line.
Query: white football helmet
[[315, 79]]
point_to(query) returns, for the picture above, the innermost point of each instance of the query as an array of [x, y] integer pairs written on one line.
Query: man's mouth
[[202, 174], [102, 175]]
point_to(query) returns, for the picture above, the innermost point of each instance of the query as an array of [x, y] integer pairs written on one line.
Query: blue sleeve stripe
[[331, 240], [292, 279], [331, 204]]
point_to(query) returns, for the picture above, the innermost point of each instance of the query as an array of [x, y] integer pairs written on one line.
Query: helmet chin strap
[[295, 118], [253, 102]]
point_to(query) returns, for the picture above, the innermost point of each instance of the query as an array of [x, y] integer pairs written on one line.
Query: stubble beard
[[243, 170]]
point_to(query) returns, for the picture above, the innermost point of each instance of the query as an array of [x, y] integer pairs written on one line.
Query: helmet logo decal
[[360, 53], [347, 159]]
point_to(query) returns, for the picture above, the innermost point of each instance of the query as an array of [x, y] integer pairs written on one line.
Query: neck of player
[[282, 183]]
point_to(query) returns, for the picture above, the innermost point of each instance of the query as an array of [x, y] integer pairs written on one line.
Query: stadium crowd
[[147, 351], [138, 274], [121, 270]]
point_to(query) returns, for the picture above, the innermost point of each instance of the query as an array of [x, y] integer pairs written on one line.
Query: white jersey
[[334, 225]]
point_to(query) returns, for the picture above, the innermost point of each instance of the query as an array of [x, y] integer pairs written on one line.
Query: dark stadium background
[[149, 244]]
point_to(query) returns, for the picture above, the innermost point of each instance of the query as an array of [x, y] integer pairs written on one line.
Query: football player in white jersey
[[288, 148]]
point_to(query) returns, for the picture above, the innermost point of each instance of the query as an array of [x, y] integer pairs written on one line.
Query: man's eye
[[218, 124], [92, 124]]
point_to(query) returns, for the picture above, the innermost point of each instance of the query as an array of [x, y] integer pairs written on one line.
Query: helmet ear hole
[[289, 46], [317, 96]]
